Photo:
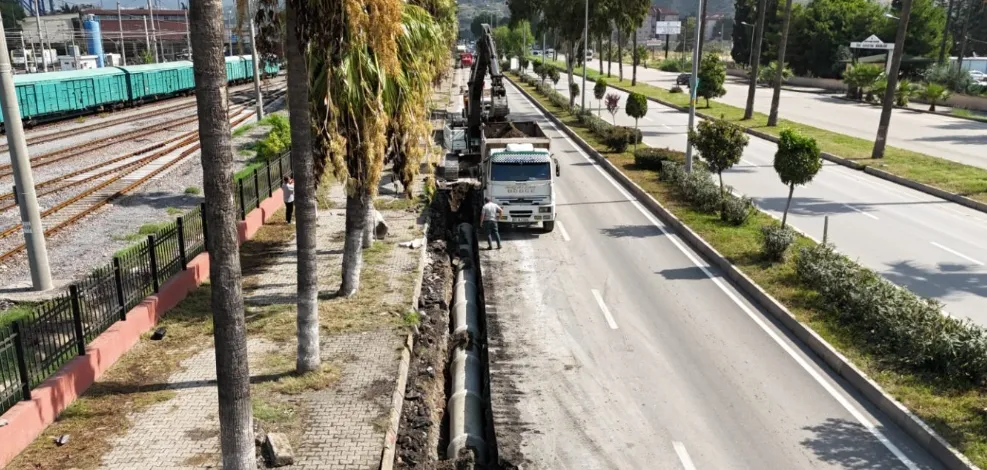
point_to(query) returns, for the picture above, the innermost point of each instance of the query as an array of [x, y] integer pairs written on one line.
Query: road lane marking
[[683, 455], [863, 420], [606, 311], [646, 118], [961, 255], [848, 206], [748, 162], [565, 234]]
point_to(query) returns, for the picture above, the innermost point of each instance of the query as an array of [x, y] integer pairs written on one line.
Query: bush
[[777, 239], [676, 89], [675, 65], [595, 124], [766, 75], [671, 172], [650, 158], [903, 328], [736, 210], [618, 138], [698, 188]]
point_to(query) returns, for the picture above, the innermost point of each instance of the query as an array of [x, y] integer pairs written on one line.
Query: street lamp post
[[692, 94], [585, 61], [750, 59], [899, 44]]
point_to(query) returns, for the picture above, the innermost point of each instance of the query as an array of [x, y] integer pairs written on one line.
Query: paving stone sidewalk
[[342, 426]]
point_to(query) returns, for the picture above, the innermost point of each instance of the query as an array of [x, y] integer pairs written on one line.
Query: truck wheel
[[548, 226]]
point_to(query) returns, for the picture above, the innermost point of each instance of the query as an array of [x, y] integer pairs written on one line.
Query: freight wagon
[[50, 96]]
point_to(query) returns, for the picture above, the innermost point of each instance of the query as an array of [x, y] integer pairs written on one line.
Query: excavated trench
[[446, 408]]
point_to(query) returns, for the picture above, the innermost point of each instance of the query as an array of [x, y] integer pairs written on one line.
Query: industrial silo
[[94, 38]]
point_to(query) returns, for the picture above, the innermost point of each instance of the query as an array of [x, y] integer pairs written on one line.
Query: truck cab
[[520, 178]]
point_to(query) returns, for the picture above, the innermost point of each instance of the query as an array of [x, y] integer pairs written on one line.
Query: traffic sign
[[873, 42], [668, 27]]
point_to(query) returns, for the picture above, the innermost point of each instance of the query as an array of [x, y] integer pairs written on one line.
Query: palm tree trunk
[[609, 55], [762, 5], [368, 231], [620, 55], [634, 60], [309, 357], [776, 94], [784, 217], [572, 63], [236, 433], [599, 47], [356, 224]]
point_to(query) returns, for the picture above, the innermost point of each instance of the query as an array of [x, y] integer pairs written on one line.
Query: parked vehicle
[[518, 173], [683, 79], [466, 59]]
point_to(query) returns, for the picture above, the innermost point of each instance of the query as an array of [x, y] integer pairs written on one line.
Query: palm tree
[[635, 11], [353, 48], [306, 241], [776, 94], [933, 93], [226, 301]]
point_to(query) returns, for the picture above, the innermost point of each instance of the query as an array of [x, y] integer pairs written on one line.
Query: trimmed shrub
[[909, 331], [650, 158], [595, 124], [672, 172], [618, 138], [736, 210], [776, 241], [676, 89], [700, 190]]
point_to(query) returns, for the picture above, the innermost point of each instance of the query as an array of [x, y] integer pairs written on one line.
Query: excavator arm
[[486, 61]]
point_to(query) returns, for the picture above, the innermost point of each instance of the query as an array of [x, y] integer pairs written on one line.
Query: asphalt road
[[954, 139], [614, 346], [931, 246]]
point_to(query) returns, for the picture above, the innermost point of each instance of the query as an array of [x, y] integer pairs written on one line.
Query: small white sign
[[873, 42], [668, 27]]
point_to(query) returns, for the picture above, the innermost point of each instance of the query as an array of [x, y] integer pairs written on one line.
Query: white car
[[978, 76]]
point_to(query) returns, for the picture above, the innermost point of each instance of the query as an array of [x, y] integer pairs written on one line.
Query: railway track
[[63, 133], [66, 213], [70, 152]]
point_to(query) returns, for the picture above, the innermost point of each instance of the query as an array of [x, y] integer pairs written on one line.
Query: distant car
[[536, 53], [683, 79], [550, 51], [589, 54], [978, 76]]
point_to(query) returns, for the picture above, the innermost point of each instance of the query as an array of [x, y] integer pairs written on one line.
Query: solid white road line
[[863, 420], [646, 118], [860, 211], [603, 306], [961, 255], [565, 234], [683, 455]]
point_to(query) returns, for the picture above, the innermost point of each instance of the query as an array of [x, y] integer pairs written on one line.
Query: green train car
[[153, 81], [56, 93], [271, 69], [236, 69]]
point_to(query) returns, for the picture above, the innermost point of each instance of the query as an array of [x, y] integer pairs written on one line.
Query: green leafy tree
[[637, 108], [926, 24], [934, 93], [767, 74], [721, 145], [712, 74], [822, 29], [555, 75], [797, 161], [613, 104], [599, 91], [504, 40], [633, 13]]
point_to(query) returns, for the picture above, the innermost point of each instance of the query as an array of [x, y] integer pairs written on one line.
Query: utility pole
[[23, 52], [188, 37], [585, 60], [692, 93], [945, 33], [41, 39], [256, 61], [899, 45], [147, 36], [123, 46], [154, 31], [27, 199]]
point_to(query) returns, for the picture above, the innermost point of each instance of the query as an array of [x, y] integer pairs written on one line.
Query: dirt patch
[[201, 434]]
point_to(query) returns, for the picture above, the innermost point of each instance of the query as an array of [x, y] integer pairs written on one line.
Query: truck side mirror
[[558, 171]]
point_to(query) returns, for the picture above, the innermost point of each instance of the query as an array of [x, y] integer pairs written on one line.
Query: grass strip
[[957, 413], [965, 180]]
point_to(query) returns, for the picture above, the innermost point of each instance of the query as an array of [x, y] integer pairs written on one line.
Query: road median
[[954, 411], [956, 182]]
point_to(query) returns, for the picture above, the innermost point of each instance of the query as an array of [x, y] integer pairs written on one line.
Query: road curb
[[927, 189], [920, 111], [397, 398], [899, 414]]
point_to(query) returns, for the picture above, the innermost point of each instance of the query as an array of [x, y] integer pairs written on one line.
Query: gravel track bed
[[78, 249]]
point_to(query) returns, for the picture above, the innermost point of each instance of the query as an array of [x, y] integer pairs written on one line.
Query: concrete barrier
[[927, 438], [28, 419], [466, 404]]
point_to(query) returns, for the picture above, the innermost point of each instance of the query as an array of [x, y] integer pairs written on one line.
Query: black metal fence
[[35, 345]]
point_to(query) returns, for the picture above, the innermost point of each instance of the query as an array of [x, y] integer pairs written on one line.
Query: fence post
[[80, 337], [154, 262], [182, 257], [243, 205], [205, 232], [270, 184], [22, 361], [257, 186], [118, 279]]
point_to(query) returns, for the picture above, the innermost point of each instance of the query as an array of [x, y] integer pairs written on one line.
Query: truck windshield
[[520, 171]]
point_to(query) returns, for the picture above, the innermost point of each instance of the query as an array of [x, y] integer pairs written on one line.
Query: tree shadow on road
[[849, 445], [632, 231]]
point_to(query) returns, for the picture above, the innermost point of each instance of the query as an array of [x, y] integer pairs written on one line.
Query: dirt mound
[[511, 132]]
